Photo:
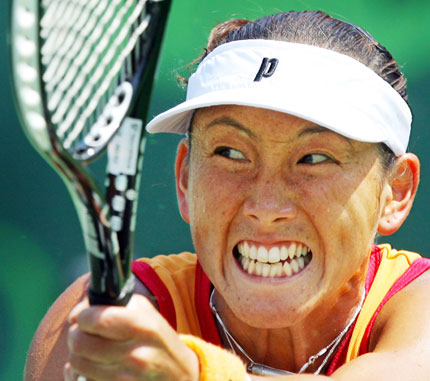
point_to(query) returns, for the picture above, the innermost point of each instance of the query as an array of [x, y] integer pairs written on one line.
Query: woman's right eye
[[230, 153], [315, 158]]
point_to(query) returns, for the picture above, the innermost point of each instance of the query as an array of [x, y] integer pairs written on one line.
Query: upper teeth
[[274, 254]]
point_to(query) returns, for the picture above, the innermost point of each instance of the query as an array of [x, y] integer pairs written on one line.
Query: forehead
[[244, 116], [268, 127], [254, 122], [253, 115]]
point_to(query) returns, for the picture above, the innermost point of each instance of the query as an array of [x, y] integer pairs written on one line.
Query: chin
[[270, 314]]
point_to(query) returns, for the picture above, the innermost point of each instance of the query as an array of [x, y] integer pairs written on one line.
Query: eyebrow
[[229, 121], [320, 129], [310, 130]]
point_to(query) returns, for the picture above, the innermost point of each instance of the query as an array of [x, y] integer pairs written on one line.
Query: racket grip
[[120, 300]]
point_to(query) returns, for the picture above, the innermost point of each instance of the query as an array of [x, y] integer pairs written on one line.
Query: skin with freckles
[[274, 178], [261, 178], [145, 347]]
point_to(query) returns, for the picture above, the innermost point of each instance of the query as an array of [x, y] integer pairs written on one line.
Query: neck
[[289, 348]]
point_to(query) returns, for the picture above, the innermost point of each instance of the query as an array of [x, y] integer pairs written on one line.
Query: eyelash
[[226, 152], [314, 155]]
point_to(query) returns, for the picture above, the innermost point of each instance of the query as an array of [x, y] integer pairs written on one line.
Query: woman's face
[[283, 212]]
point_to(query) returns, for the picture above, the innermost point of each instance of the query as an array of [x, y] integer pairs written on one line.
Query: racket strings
[[89, 47], [86, 69]]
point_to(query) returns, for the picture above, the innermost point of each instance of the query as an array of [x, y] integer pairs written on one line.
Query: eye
[[315, 158], [230, 153]]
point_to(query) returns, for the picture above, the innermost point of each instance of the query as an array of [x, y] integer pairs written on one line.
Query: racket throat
[[106, 125]]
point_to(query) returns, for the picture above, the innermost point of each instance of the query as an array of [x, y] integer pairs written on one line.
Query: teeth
[[279, 269], [294, 266], [265, 262], [274, 270], [304, 250], [262, 255], [266, 270], [240, 248], [251, 267], [292, 250], [274, 255], [245, 247], [284, 253], [287, 269], [258, 268], [245, 263], [253, 252]]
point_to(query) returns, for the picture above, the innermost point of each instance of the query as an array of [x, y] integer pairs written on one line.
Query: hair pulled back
[[317, 29]]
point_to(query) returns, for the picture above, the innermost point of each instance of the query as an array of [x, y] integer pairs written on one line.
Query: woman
[[295, 157]]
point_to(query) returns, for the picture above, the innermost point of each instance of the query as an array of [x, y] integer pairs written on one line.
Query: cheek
[[344, 210], [364, 200], [363, 210], [345, 219], [215, 198], [349, 197], [323, 200]]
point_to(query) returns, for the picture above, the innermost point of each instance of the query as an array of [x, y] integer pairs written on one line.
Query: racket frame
[[109, 249]]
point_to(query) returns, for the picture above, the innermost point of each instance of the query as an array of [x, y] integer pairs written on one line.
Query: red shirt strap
[[340, 355], [147, 275]]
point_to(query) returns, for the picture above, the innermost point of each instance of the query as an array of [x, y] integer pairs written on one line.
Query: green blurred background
[[40, 241]]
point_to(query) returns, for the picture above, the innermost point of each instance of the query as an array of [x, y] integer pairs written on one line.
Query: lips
[[275, 261]]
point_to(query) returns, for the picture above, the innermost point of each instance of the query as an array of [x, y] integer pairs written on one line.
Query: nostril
[[279, 219], [271, 215], [254, 217], [269, 207]]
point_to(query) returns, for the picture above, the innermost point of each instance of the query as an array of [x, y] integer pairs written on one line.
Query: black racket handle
[[121, 300]]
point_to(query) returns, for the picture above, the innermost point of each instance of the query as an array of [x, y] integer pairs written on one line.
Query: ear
[[399, 193], [181, 172]]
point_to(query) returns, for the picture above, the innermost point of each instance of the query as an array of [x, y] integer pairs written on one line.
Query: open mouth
[[274, 262]]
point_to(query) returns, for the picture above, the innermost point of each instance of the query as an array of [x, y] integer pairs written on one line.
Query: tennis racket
[[82, 75]]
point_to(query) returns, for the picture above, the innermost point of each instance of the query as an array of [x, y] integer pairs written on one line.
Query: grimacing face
[[283, 212]]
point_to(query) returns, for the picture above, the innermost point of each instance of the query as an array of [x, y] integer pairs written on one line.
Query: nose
[[270, 203]]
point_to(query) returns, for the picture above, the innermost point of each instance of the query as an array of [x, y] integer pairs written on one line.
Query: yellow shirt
[[182, 291]]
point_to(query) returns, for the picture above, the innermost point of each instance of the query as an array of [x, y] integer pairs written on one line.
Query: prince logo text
[[267, 68]]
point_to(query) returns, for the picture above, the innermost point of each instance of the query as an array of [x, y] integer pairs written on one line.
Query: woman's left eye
[[230, 153], [315, 158]]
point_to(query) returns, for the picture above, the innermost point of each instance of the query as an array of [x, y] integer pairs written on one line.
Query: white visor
[[325, 87]]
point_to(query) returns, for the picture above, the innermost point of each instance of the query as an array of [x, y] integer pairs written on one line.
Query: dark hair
[[318, 29]]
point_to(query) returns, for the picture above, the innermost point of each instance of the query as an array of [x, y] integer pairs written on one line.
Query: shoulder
[[402, 257], [394, 269], [171, 262], [400, 341], [48, 351], [163, 274], [163, 270], [403, 320]]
